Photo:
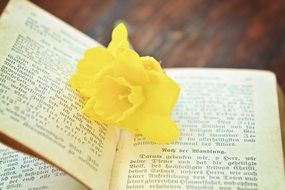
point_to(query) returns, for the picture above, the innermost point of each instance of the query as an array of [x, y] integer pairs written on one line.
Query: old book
[[229, 121]]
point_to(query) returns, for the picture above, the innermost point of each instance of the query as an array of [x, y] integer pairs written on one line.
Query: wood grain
[[182, 33]]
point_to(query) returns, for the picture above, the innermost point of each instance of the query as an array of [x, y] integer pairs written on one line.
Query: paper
[[38, 109], [230, 137]]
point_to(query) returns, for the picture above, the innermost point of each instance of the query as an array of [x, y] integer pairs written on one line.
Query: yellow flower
[[123, 89]]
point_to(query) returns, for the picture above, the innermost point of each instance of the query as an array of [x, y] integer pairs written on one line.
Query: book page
[[38, 109], [230, 137], [21, 171]]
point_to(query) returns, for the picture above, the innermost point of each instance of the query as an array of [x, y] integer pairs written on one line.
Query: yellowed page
[[20, 171], [37, 108], [230, 137]]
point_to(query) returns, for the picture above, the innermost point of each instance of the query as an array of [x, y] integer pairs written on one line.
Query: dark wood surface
[[183, 33]]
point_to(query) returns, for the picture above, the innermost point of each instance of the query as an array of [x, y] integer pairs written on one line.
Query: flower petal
[[151, 64], [160, 95], [119, 39], [89, 111], [94, 60], [128, 65], [158, 128], [130, 124]]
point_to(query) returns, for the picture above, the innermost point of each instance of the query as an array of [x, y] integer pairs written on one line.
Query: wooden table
[[182, 33]]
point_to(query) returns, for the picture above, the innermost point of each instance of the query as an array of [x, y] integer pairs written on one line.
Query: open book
[[229, 122]]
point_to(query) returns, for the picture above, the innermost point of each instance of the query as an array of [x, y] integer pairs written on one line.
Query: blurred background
[[188, 33]]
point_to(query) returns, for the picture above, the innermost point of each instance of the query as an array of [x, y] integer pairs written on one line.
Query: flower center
[[119, 103]]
